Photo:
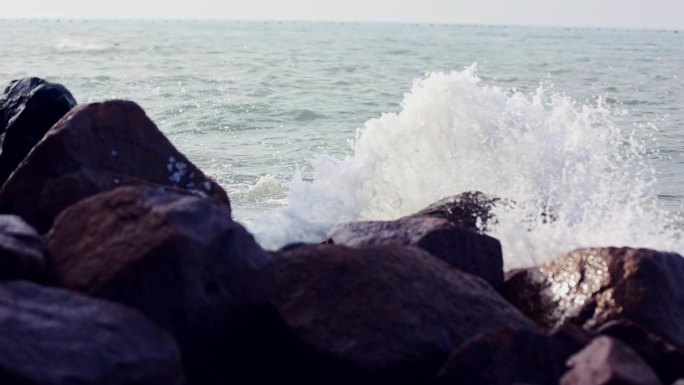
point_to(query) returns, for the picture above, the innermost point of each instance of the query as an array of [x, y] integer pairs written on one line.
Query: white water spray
[[545, 152]]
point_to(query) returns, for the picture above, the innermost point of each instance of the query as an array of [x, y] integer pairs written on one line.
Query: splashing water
[[576, 179]]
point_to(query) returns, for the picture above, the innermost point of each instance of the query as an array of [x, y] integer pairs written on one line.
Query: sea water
[[309, 124]]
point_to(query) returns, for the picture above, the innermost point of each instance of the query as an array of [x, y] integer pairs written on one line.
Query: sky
[[665, 14]]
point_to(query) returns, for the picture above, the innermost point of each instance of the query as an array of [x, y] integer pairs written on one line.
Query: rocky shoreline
[[120, 264]]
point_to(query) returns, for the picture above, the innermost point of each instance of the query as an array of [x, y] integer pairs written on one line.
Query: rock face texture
[[178, 258], [513, 356], [470, 210], [607, 361], [94, 148], [55, 337], [28, 108], [590, 287], [666, 360], [473, 253], [382, 314], [21, 250]]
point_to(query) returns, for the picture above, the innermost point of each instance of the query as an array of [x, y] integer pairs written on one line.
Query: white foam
[[544, 151], [78, 45]]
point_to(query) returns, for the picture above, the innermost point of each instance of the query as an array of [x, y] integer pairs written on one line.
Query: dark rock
[[295, 245], [473, 253], [51, 336], [470, 210], [21, 250], [28, 108], [94, 148], [513, 356], [590, 287], [382, 314], [666, 360], [178, 258], [607, 361]]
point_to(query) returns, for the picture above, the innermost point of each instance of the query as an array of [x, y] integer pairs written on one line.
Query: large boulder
[[666, 360], [473, 253], [607, 361], [28, 108], [50, 336], [513, 356], [21, 250], [471, 210], [590, 287], [177, 257], [94, 148], [381, 314]]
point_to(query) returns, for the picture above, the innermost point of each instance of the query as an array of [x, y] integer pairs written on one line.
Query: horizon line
[[333, 21]]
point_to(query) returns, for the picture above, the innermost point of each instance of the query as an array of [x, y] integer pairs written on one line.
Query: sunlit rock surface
[[590, 287]]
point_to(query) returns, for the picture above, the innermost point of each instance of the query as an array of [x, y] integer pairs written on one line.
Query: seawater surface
[[307, 124]]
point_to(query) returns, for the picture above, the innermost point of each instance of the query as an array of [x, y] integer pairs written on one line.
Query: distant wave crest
[[80, 45]]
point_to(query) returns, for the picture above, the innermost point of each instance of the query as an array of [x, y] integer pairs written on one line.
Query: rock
[[382, 314], [178, 258], [512, 356], [607, 361], [21, 250], [590, 287], [50, 336], [470, 210], [28, 108], [666, 360], [94, 148], [473, 253]]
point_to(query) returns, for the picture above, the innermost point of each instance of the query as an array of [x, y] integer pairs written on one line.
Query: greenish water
[[568, 117]]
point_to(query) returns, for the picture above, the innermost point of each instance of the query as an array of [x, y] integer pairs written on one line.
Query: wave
[[543, 150], [307, 115], [79, 45]]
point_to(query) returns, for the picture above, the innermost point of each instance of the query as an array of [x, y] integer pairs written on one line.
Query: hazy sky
[[603, 13]]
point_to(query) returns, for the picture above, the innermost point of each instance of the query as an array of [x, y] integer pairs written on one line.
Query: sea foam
[[574, 177], [80, 45]]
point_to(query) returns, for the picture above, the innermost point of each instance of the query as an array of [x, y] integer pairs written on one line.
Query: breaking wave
[[544, 151]]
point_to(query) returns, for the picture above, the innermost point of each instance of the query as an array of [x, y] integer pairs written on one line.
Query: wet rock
[[21, 250], [473, 253], [381, 314], [470, 210], [513, 356], [666, 360], [94, 148], [608, 361], [28, 108], [51, 336], [178, 258], [590, 287]]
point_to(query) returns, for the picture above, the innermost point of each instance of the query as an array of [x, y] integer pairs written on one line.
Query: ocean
[[307, 124]]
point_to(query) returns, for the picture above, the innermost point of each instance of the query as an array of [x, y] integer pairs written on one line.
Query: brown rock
[[512, 356], [382, 314], [178, 258], [666, 360], [21, 250], [590, 287], [473, 253], [94, 148], [50, 336], [470, 210], [607, 361]]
